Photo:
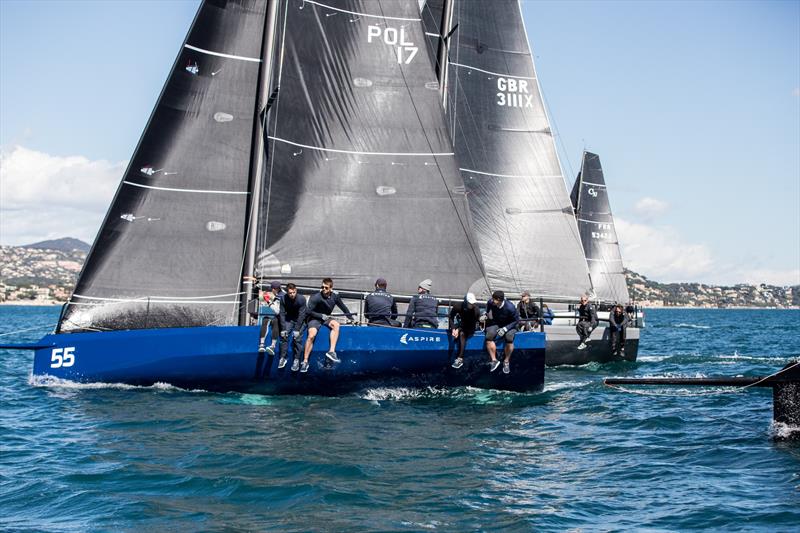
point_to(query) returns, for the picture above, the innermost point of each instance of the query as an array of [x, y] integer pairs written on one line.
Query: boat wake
[[45, 381]]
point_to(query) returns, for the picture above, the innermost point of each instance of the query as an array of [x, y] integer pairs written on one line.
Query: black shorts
[[491, 333], [468, 333], [316, 323]]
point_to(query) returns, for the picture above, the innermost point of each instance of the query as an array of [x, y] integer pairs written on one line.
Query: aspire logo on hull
[[406, 338]]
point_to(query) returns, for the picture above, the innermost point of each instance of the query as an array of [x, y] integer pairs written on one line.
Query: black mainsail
[[517, 195], [361, 176], [599, 236], [169, 252]]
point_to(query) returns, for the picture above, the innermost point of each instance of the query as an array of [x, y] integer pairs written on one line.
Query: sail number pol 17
[[394, 37], [62, 357]]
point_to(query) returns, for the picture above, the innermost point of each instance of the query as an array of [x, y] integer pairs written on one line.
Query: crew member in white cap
[[464, 316]]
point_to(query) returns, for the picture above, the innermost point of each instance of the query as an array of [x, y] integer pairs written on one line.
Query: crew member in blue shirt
[[422, 311], [379, 307], [502, 324], [320, 306], [293, 324]]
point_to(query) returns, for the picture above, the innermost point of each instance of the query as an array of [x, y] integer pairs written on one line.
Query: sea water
[[580, 456]]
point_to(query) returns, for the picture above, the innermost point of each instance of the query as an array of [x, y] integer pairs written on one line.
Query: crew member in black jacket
[[422, 311], [380, 307], [320, 306], [587, 321], [529, 314], [618, 324], [293, 323], [464, 317]]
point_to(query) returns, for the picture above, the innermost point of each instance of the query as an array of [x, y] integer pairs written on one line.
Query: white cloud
[[44, 196], [662, 254], [650, 208]]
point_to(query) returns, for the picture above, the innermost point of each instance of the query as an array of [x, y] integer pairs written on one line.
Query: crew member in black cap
[[380, 307], [529, 314], [503, 319], [422, 310]]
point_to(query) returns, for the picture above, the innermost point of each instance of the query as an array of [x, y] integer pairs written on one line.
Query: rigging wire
[[475, 253]]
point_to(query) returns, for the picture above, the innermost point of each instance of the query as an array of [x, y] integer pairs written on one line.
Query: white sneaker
[[282, 362], [458, 363], [582, 346], [506, 367], [494, 365]]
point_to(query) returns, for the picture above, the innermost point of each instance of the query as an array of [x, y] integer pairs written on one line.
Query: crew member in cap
[[502, 324], [464, 316], [529, 314], [380, 307], [273, 300], [422, 310]]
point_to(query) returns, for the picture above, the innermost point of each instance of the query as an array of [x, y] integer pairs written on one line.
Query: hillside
[[654, 294], [65, 244], [47, 271]]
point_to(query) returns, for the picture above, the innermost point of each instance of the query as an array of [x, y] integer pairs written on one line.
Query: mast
[[442, 53], [257, 154]]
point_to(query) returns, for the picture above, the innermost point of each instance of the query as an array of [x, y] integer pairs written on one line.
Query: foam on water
[[692, 326], [45, 381]]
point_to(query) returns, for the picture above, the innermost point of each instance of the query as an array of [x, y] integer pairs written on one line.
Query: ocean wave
[[552, 387], [693, 326], [46, 381]]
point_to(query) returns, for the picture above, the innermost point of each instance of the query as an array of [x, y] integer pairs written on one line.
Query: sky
[[693, 107]]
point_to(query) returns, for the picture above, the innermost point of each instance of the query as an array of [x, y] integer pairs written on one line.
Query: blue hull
[[226, 358]]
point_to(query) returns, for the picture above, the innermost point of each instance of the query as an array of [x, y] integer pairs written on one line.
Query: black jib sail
[[600, 243], [169, 252], [361, 180], [517, 195]]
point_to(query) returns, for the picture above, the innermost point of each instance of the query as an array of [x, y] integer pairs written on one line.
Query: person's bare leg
[[312, 333], [334, 334], [491, 347], [509, 348]]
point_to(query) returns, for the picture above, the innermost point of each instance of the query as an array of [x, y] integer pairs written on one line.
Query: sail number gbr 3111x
[[513, 93]]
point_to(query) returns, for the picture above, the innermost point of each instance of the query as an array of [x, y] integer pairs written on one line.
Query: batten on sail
[[169, 251], [598, 233], [361, 176], [518, 200]]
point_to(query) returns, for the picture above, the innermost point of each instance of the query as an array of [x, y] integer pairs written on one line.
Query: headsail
[[169, 252], [600, 243], [361, 177], [518, 199]]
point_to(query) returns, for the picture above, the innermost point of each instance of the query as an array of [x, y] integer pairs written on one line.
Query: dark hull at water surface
[[225, 358], [562, 346]]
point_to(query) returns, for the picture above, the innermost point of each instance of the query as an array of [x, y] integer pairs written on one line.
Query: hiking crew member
[[587, 321], [464, 316], [529, 314], [502, 324], [380, 307], [293, 324], [422, 311], [618, 324], [319, 309], [273, 300]]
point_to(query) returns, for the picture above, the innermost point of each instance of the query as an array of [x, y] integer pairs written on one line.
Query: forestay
[[599, 236], [519, 203], [361, 180], [169, 252]]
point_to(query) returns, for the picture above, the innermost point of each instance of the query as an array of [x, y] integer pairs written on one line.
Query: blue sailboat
[[293, 140]]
